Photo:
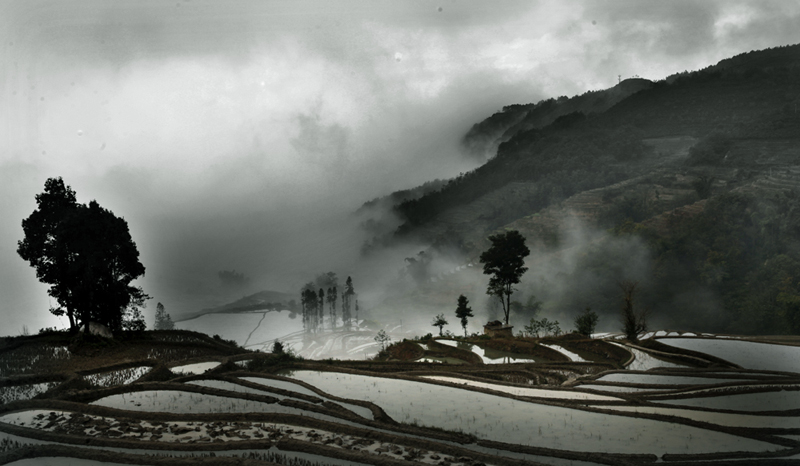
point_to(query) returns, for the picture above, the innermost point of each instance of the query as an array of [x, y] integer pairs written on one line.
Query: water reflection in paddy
[[572, 356], [524, 391], [658, 379], [25, 441], [282, 384], [24, 392], [765, 401], [197, 368], [176, 401], [747, 354], [644, 362], [489, 356], [617, 388], [511, 421], [723, 419], [233, 387]]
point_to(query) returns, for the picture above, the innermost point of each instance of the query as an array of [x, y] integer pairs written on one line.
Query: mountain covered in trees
[[689, 186]]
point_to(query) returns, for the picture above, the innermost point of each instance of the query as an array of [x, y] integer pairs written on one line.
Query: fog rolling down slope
[[686, 185]]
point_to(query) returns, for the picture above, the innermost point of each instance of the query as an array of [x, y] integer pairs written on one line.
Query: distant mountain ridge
[[262, 300], [484, 137], [601, 142]]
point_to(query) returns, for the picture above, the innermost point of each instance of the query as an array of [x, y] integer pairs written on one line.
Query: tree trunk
[[71, 319], [506, 306]]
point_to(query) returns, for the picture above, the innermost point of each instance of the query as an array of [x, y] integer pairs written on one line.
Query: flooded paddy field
[[488, 356], [746, 354], [204, 405], [503, 419], [116, 377]]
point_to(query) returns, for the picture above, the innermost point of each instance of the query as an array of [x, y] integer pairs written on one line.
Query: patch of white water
[[251, 328], [521, 391], [747, 354], [728, 389], [488, 356], [722, 419], [506, 420], [435, 360], [176, 401], [572, 356], [242, 453], [24, 392], [643, 361], [198, 368], [765, 401], [360, 410], [282, 384], [659, 379], [117, 377], [233, 387], [617, 388]]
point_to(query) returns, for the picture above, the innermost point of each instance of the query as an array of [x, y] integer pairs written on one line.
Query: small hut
[[497, 329]]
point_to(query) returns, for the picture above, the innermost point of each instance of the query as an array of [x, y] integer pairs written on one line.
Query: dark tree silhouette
[[321, 307], [703, 186], [439, 321], [87, 256], [586, 322], [347, 301], [505, 261], [332, 305], [309, 300], [382, 338], [633, 323], [163, 320], [463, 311]]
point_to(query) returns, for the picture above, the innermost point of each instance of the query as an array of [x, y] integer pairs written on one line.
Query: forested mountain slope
[[484, 137], [578, 152], [700, 169]]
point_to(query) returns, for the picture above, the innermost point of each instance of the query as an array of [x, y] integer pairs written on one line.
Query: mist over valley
[[383, 233]]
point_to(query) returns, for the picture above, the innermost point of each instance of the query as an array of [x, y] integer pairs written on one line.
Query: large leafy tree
[[86, 254], [505, 262]]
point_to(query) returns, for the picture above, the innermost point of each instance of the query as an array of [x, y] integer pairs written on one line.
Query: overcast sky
[[222, 131]]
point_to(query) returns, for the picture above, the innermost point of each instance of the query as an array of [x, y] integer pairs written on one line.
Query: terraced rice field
[[363, 412], [488, 356], [502, 419], [747, 354]]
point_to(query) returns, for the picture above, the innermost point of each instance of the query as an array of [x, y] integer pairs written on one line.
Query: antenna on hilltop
[[619, 78]]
